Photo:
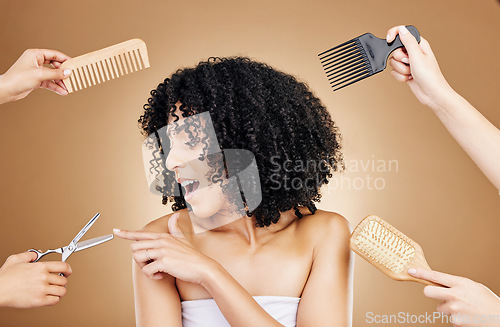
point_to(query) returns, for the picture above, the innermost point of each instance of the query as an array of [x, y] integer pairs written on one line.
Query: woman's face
[[204, 197]]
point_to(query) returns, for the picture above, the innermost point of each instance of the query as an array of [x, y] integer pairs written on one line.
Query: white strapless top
[[206, 313]]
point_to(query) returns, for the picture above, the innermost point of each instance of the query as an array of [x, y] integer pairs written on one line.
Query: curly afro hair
[[267, 112]]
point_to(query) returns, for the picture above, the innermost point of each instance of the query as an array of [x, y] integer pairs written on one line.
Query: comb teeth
[[345, 64], [103, 65], [384, 245]]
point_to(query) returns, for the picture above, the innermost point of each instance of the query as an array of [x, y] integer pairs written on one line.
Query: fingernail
[[387, 38], [405, 60], [403, 30], [116, 230], [67, 72], [412, 271]]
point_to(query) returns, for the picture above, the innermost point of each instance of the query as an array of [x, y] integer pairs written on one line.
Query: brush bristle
[[384, 246]]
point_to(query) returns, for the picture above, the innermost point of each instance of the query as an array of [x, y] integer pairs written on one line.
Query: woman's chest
[[279, 267]]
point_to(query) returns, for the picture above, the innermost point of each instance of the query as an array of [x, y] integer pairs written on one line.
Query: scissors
[[74, 246]]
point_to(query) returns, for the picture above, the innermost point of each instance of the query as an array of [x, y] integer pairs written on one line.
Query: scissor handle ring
[[39, 254]]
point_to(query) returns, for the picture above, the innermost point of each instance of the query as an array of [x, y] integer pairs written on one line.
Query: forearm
[[238, 307], [475, 134]]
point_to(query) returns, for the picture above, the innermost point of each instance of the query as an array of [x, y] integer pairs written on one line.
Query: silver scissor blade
[[85, 228], [93, 242], [72, 246]]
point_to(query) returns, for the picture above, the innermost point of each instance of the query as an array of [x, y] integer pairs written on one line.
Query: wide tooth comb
[[388, 250], [359, 58], [102, 65]]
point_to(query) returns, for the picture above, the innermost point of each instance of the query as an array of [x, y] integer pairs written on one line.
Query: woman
[[241, 249]]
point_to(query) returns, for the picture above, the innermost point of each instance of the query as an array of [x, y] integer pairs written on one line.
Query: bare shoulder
[[160, 225], [326, 227]]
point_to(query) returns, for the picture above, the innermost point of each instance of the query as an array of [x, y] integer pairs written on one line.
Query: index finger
[[137, 236], [392, 32], [436, 277], [47, 56]]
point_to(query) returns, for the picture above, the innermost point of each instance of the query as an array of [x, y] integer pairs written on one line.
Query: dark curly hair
[[256, 108]]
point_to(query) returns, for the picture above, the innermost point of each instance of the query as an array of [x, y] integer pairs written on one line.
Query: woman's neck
[[244, 226]]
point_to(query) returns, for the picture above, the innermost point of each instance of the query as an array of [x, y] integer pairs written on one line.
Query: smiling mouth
[[190, 186]]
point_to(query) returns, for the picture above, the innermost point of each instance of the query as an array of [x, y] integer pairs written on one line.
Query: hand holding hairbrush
[[389, 250]]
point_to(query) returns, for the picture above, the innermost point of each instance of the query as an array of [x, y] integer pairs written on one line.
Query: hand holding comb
[[389, 250], [105, 64], [359, 58]]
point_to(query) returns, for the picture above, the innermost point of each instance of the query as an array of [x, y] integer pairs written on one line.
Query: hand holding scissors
[[74, 246]]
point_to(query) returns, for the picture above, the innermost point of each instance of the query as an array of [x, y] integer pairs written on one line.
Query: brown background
[[66, 158]]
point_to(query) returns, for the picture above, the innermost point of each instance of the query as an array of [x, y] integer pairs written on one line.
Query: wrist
[[212, 275], [444, 101], [4, 94], [3, 297]]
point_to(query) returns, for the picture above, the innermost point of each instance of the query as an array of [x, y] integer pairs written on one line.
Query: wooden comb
[[389, 250], [102, 65]]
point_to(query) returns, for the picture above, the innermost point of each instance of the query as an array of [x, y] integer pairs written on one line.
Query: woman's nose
[[173, 160]]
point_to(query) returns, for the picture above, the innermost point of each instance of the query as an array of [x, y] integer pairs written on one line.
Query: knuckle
[[53, 301], [136, 257], [39, 74], [453, 294], [64, 281], [45, 289], [427, 291], [40, 267], [146, 272], [44, 278], [454, 308], [38, 301], [465, 280]]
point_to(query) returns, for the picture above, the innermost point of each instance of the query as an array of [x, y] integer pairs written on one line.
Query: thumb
[[409, 41], [173, 226], [425, 46], [49, 74], [25, 257]]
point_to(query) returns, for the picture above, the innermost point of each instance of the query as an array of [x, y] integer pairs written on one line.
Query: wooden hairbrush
[[389, 250], [102, 65]]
